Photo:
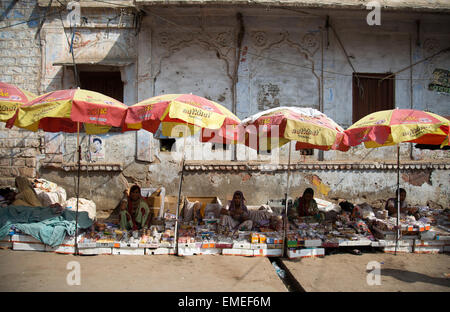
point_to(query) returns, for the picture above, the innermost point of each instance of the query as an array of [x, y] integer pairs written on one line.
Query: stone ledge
[[91, 4], [111, 167], [327, 166], [410, 5]]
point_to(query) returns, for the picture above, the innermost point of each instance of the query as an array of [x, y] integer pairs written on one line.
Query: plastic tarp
[[43, 223]]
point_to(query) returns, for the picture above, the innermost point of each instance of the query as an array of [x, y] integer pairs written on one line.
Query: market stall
[[199, 231]]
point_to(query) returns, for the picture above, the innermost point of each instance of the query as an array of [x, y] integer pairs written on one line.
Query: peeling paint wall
[[191, 50], [357, 186]]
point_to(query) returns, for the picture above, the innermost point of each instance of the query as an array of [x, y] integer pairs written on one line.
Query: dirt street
[[44, 271], [347, 272]]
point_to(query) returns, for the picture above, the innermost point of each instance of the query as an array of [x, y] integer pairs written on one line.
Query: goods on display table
[[200, 231], [427, 232], [308, 236], [108, 241]]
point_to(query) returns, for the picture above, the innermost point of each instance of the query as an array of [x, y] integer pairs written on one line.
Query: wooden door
[[107, 83], [370, 95]]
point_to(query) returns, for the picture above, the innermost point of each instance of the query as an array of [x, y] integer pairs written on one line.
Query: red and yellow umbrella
[[227, 134], [11, 98], [175, 112], [62, 110], [308, 127], [390, 127], [170, 111]]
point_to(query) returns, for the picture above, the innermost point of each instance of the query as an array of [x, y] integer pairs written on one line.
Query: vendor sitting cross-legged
[[304, 206], [134, 211], [392, 204], [236, 216]]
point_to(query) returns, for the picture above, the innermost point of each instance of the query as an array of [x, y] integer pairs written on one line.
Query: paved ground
[[44, 271], [347, 272]]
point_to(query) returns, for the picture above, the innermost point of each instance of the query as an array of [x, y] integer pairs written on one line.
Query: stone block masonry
[[18, 151], [20, 64], [20, 52]]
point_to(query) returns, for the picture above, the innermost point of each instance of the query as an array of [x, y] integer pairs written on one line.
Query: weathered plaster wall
[[357, 186], [282, 52]]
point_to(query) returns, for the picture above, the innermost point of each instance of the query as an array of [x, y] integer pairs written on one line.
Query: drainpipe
[[410, 90], [321, 101], [240, 38]]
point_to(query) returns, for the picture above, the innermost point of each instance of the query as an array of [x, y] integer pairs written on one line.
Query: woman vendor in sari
[[134, 211], [304, 206], [236, 216]]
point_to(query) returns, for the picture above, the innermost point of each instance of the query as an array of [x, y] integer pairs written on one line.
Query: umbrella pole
[[78, 187], [286, 223], [179, 196], [398, 198]]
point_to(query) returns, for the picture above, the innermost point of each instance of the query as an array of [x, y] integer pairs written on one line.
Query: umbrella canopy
[[173, 113], [390, 127], [62, 110], [309, 127], [11, 98], [172, 110], [227, 134]]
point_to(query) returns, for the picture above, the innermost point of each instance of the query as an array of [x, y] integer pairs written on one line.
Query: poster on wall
[[441, 81], [97, 148]]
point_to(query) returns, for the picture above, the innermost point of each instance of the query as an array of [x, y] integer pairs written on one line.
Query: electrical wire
[[192, 30], [112, 3], [390, 77], [33, 19]]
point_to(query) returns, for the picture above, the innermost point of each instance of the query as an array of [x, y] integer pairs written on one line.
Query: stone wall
[[20, 51], [281, 59], [18, 155], [20, 63]]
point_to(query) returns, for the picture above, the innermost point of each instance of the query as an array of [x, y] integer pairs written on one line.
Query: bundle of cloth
[[26, 195], [83, 205], [50, 224], [49, 193], [41, 217]]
